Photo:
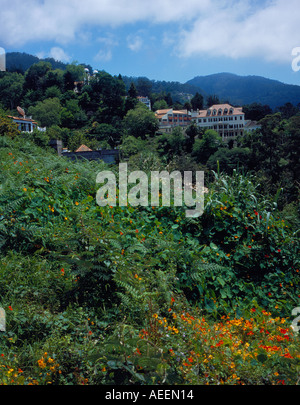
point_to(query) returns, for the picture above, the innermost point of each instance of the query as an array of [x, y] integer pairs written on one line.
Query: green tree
[[73, 73], [144, 86], [107, 97], [7, 126], [11, 89], [47, 112], [131, 146], [192, 132], [140, 122], [36, 76], [197, 102], [211, 100], [288, 110], [170, 145], [78, 138], [160, 105], [104, 134], [206, 146], [131, 99], [229, 159], [256, 111]]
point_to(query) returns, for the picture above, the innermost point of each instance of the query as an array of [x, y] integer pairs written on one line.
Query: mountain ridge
[[248, 89], [236, 89]]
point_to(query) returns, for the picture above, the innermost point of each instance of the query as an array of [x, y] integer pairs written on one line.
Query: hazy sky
[[160, 39]]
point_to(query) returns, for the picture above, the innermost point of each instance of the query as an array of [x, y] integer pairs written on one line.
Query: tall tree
[[140, 122], [197, 101]]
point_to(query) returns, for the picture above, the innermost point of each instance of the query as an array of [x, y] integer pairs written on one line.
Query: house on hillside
[[145, 100], [251, 125], [25, 124], [169, 119], [226, 120]]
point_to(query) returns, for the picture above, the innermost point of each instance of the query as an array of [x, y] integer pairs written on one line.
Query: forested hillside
[[248, 89], [143, 295]]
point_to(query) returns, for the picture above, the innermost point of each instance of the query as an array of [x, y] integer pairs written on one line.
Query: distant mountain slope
[[21, 61], [248, 89], [229, 87]]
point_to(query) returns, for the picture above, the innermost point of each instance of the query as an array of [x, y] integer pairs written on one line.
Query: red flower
[[10, 308]]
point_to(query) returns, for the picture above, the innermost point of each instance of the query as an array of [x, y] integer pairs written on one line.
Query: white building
[[251, 125], [168, 119], [25, 124], [228, 121], [145, 100]]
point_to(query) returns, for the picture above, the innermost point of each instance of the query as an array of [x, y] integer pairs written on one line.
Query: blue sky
[[170, 40]]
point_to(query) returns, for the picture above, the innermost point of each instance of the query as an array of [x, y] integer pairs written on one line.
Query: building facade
[[226, 120], [168, 119], [25, 124]]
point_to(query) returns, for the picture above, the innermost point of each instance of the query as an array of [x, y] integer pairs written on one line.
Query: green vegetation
[[144, 295]]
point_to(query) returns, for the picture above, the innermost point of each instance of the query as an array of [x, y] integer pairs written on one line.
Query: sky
[[171, 40]]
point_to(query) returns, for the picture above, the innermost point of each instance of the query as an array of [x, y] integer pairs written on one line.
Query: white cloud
[[134, 42], [230, 28], [104, 55], [59, 54], [269, 32]]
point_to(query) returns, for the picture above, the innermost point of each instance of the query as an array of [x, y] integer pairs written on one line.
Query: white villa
[[225, 119], [25, 124], [228, 121]]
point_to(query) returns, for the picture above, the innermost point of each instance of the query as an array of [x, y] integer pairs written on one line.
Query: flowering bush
[[122, 295]]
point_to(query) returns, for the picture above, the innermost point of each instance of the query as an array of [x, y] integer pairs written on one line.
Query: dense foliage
[[144, 295]]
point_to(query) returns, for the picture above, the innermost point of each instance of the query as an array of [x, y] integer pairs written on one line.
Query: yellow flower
[[41, 363]]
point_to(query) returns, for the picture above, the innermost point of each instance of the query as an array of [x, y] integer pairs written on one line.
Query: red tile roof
[[83, 148]]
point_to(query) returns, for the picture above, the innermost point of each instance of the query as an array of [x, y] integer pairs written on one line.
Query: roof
[[222, 107], [83, 148], [161, 113], [22, 119]]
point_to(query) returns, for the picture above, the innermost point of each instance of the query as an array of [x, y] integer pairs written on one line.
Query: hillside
[[239, 90], [248, 89], [17, 61], [140, 295]]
